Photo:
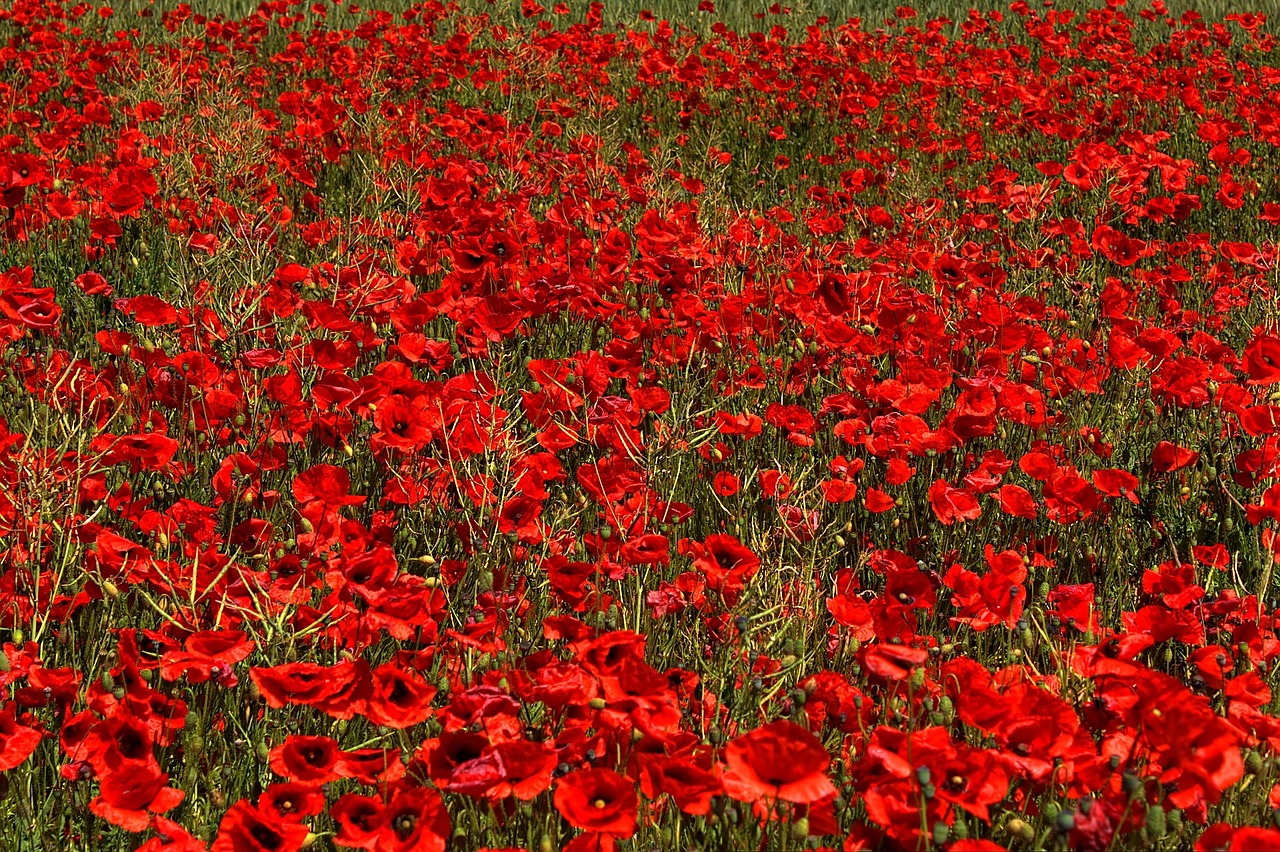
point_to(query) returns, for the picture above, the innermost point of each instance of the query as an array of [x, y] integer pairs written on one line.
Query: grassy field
[[638, 426]]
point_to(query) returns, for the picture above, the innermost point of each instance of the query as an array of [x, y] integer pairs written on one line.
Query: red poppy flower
[[308, 760], [780, 760], [725, 484], [726, 563], [171, 837], [1168, 457], [130, 795], [1017, 502], [893, 662], [598, 800], [1262, 359], [1117, 483], [690, 786], [415, 820], [208, 654], [143, 452], [952, 504], [291, 800], [398, 698], [340, 690], [148, 310], [246, 829], [93, 284], [17, 742]]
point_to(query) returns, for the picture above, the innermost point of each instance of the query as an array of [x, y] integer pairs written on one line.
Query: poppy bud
[[1155, 824], [597, 704], [940, 833], [1020, 829], [110, 589], [1253, 762], [5, 665], [1131, 784], [19, 636], [1065, 822], [800, 828]]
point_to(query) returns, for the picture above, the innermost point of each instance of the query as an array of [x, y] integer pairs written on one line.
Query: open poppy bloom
[[781, 761], [601, 802]]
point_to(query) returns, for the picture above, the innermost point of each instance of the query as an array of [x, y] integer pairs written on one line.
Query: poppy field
[[499, 425]]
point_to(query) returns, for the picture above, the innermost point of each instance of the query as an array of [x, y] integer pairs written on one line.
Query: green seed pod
[[940, 833]]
